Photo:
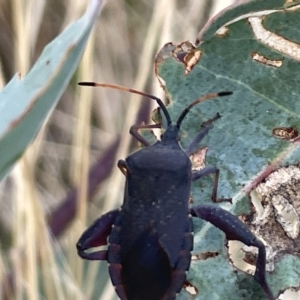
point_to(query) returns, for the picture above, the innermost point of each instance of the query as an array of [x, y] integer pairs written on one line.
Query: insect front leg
[[134, 132], [95, 236], [122, 166], [236, 230]]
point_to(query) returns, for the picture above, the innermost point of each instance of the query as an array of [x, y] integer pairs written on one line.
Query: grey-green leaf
[[25, 103], [257, 56]]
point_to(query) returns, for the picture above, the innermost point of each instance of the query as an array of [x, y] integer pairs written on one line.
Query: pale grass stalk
[[196, 12], [17, 269], [220, 5], [27, 206], [76, 9], [52, 273], [43, 253], [1, 76], [89, 283], [24, 233], [2, 275], [33, 18], [22, 49], [50, 270], [80, 154]]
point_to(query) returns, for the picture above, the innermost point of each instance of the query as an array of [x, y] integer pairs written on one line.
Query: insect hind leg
[[235, 229], [95, 236]]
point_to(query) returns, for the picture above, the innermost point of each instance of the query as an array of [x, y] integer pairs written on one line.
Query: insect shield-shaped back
[[150, 237]]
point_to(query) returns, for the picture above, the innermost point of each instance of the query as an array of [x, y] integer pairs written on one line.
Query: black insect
[[150, 237]]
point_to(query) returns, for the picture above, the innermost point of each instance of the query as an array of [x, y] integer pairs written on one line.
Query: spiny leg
[[134, 132], [216, 172], [205, 127], [95, 236], [236, 230]]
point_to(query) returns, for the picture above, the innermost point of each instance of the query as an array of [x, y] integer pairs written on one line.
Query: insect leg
[[134, 132], [205, 127], [236, 230], [207, 171], [95, 236], [122, 166]]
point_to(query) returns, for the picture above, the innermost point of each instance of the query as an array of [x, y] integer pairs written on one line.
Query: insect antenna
[[199, 100], [122, 88]]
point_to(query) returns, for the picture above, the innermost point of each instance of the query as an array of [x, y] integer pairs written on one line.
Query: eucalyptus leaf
[[252, 49]]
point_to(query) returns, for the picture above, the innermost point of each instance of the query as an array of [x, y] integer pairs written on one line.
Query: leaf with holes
[[252, 49]]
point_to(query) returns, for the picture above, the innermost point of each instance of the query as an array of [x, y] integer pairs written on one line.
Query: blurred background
[[89, 128]]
